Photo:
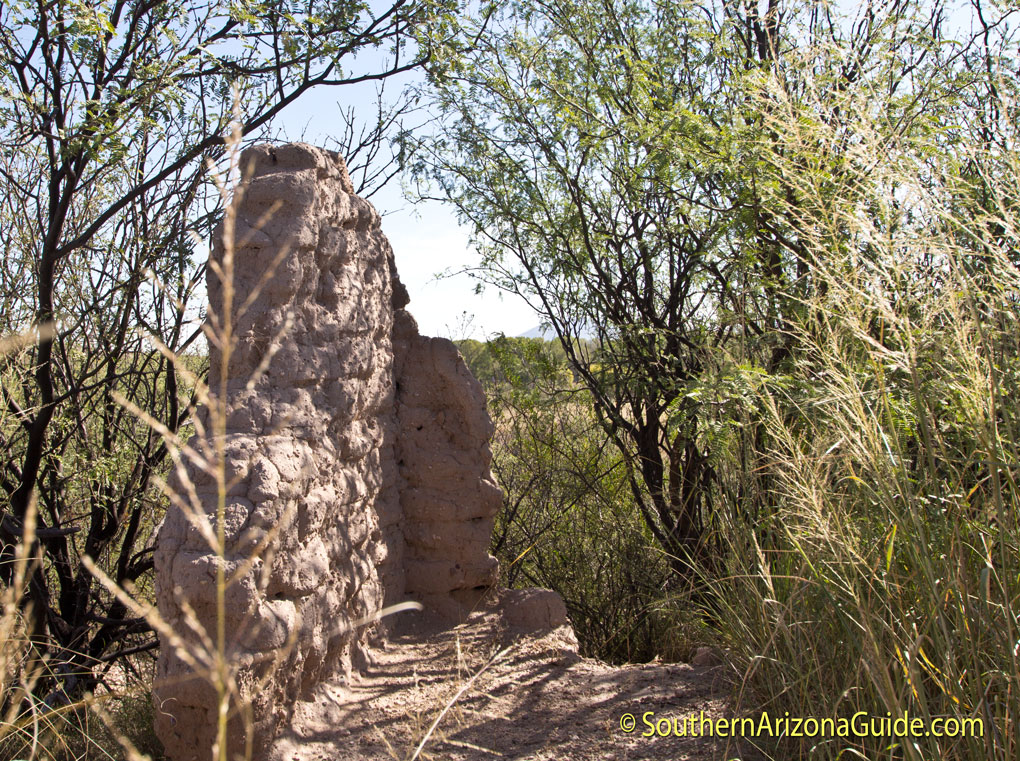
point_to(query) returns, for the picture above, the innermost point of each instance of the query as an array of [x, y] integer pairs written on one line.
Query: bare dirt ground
[[500, 694]]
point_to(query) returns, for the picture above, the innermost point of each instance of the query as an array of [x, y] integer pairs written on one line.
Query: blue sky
[[426, 238]]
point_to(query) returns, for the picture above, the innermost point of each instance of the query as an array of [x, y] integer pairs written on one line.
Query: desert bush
[[569, 522], [859, 418], [850, 351]]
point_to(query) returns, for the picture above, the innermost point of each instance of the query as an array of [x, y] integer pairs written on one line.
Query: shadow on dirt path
[[534, 700]]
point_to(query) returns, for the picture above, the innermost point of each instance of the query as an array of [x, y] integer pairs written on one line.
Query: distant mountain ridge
[[539, 332], [548, 334]]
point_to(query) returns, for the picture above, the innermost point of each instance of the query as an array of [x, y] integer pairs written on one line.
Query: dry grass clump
[[882, 571]]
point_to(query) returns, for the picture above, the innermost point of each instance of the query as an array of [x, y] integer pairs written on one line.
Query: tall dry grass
[[881, 569]]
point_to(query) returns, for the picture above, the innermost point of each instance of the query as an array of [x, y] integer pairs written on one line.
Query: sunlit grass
[[882, 571]]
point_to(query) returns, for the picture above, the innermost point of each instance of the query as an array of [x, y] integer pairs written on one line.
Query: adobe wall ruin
[[357, 463]]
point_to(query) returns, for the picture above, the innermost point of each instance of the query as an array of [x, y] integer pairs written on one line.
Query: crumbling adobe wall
[[448, 498], [356, 458]]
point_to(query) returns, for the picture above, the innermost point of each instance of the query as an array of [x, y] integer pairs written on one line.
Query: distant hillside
[[539, 332], [548, 334]]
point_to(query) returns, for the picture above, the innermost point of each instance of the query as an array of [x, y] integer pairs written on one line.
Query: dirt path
[[511, 696]]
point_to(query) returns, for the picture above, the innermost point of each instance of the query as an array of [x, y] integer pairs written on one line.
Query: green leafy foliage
[[568, 521]]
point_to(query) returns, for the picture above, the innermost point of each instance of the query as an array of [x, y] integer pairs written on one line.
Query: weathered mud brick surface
[[356, 457]]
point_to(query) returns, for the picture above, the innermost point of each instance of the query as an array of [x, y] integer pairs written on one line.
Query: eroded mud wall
[[357, 462], [448, 497]]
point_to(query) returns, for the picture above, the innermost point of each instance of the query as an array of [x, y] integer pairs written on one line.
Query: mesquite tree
[[615, 161]]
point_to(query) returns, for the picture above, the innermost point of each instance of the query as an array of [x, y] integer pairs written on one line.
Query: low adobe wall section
[[357, 463]]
